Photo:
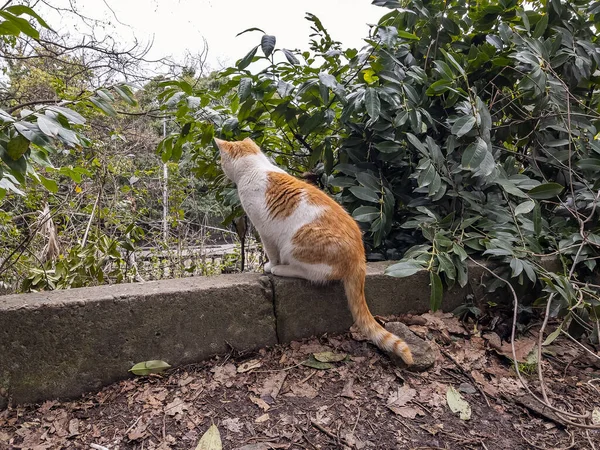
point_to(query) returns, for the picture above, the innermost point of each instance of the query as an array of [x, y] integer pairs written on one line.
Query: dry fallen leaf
[[261, 419], [225, 374], [347, 391], [73, 427], [233, 425], [523, 346], [302, 390], [327, 357], [249, 365], [211, 440], [271, 387], [457, 404], [401, 396], [408, 412], [260, 403], [596, 416], [177, 406], [138, 431]]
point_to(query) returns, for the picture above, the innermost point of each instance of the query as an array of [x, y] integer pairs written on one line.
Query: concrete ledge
[[304, 310], [65, 343]]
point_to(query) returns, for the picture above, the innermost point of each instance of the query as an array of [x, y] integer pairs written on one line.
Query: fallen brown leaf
[[260, 403], [225, 374]]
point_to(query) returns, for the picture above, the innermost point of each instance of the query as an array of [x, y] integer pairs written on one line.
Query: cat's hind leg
[[312, 272]]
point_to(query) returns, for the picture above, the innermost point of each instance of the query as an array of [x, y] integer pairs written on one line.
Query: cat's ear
[[223, 146]]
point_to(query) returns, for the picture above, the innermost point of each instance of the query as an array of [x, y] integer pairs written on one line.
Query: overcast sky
[[180, 25]]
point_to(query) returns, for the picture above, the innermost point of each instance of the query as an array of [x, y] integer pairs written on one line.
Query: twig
[[580, 344], [330, 434], [98, 447], [516, 363], [132, 425], [89, 224]]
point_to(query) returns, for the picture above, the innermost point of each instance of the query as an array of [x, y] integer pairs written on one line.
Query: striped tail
[[354, 285]]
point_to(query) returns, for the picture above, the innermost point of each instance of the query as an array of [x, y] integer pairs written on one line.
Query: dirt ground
[[286, 397]]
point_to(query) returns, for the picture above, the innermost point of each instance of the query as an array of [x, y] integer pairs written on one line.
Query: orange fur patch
[[238, 149], [283, 194], [333, 239]]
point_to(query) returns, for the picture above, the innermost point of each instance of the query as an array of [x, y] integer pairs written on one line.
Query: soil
[[286, 397]]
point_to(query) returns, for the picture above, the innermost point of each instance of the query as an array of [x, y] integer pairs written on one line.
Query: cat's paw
[[268, 266]]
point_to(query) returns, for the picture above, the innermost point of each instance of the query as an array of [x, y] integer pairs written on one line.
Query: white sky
[[178, 26]]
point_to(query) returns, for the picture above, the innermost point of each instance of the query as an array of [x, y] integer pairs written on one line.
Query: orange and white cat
[[305, 233]]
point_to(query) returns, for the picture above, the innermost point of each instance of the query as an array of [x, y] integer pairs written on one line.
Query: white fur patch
[[252, 180]]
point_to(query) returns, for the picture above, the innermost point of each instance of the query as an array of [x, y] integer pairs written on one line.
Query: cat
[[305, 233]]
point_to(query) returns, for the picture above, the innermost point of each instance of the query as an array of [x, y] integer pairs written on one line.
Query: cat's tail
[[354, 285]]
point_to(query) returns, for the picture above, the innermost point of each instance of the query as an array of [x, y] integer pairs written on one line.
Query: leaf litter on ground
[[269, 399]]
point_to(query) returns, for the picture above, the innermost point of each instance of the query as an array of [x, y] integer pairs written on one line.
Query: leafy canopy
[[459, 129]]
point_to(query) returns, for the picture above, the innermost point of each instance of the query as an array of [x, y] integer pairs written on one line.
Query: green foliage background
[[458, 130]]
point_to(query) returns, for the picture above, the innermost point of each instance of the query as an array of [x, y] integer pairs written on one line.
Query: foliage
[[82, 147], [458, 130]]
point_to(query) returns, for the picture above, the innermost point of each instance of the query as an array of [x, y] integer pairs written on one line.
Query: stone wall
[[61, 344]]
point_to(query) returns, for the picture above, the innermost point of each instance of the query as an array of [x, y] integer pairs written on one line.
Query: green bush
[[459, 129]]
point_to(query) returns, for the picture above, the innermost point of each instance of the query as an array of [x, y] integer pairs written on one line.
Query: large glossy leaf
[[404, 268], [437, 291], [463, 125], [267, 44], [546, 191], [366, 213], [372, 103], [475, 155], [23, 25], [364, 193], [246, 60], [290, 57], [17, 146]]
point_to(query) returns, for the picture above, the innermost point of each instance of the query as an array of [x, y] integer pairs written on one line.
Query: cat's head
[[232, 152]]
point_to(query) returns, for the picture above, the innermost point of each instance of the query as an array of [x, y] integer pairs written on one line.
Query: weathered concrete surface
[[303, 309], [64, 343]]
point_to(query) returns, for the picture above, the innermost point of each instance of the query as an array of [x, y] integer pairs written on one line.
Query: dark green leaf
[[244, 88], [545, 191], [404, 268], [247, 30], [267, 44], [48, 126], [366, 213], [437, 291], [290, 57], [372, 103], [125, 93], [246, 60], [364, 193], [22, 9], [368, 181], [315, 364], [463, 125], [524, 207], [23, 25], [327, 80], [71, 115], [541, 26], [103, 106]]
